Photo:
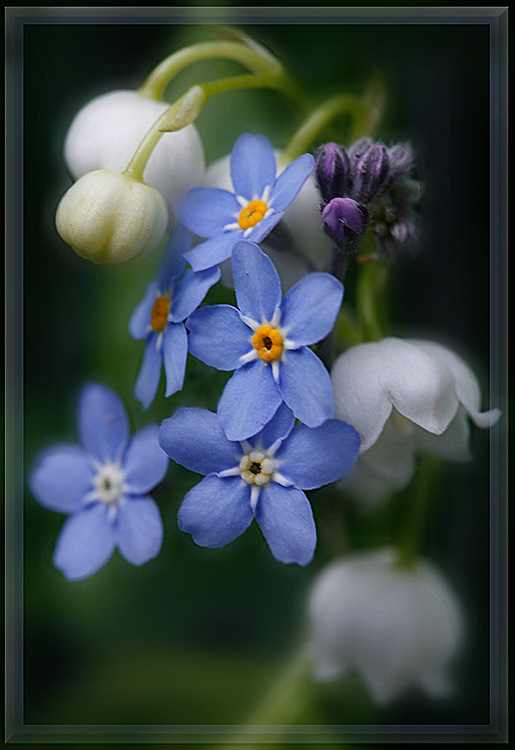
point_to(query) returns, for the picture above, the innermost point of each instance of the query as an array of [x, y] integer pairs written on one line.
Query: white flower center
[[257, 468], [109, 483]]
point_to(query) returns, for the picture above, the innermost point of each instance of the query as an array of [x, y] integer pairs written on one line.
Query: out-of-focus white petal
[[404, 397], [107, 131], [465, 382], [398, 628]]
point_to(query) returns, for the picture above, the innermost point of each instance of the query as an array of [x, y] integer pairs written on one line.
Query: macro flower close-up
[[398, 628], [103, 486], [262, 478], [159, 318], [405, 396], [266, 342], [255, 207]]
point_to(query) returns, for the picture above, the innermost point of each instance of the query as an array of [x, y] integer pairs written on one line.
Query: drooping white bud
[[107, 131], [112, 218], [399, 628]]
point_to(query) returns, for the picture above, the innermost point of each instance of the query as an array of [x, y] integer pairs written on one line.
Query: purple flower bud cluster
[[367, 182]]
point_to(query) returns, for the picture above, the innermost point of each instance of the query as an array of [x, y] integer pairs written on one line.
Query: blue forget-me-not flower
[[251, 211], [159, 317], [266, 342], [104, 487], [262, 478]]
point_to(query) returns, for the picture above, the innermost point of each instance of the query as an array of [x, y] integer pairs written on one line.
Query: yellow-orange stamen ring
[[252, 214], [159, 314], [268, 342]]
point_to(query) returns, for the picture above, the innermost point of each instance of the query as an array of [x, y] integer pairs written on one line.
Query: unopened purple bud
[[370, 173], [400, 163], [358, 148], [340, 215], [331, 170]]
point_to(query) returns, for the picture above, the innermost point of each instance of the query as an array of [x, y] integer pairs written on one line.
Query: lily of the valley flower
[[255, 207], [266, 342], [104, 487], [112, 218], [107, 131], [398, 628], [160, 316], [260, 478], [404, 397]]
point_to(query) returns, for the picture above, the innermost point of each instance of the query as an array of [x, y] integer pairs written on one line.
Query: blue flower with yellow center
[[262, 478], [266, 342], [251, 211], [159, 318]]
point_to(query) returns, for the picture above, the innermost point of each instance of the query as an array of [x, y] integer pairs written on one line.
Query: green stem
[[410, 539], [348, 329], [338, 105], [369, 300], [186, 109], [251, 57]]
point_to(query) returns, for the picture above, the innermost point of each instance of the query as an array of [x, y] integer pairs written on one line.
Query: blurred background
[[198, 636]]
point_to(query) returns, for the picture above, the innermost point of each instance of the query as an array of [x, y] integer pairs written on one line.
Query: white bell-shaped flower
[[107, 131], [302, 221], [112, 218], [398, 628], [404, 397]]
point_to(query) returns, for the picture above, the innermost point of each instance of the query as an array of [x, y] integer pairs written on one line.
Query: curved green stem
[[338, 105], [251, 57], [187, 108]]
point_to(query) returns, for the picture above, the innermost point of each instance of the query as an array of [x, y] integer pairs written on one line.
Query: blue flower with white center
[[251, 211], [159, 318], [266, 342], [104, 486], [262, 478]]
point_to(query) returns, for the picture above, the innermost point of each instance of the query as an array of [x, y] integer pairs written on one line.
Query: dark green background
[[196, 636]]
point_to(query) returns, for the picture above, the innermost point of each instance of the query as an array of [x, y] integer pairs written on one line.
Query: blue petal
[[256, 282], [286, 519], [252, 165], [61, 478], [195, 439], [278, 428], [312, 457], [190, 291], [206, 211], [138, 529], [173, 263], [310, 308], [216, 511], [145, 462], [139, 324], [290, 182], [103, 425], [305, 386], [148, 378], [218, 337], [214, 250], [175, 354], [249, 401], [85, 543], [264, 227]]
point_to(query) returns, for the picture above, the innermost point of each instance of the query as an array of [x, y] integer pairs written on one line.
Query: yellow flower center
[[159, 314], [257, 468], [252, 214], [268, 342]]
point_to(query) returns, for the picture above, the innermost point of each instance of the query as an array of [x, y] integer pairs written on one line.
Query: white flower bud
[[399, 628], [107, 131], [111, 218], [404, 397], [302, 220]]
